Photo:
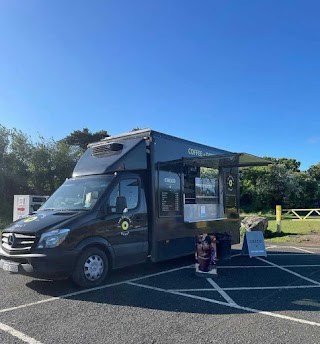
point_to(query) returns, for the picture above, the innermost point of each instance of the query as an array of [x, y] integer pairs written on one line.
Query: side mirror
[[121, 204]]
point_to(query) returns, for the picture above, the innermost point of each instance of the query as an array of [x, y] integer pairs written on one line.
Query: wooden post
[[278, 217]]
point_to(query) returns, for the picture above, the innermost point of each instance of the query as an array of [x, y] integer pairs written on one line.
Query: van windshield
[[78, 193]]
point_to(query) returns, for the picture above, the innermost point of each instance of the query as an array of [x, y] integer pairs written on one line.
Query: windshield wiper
[[73, 209]]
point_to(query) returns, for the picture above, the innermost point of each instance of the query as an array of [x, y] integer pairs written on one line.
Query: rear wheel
[[91, 268]]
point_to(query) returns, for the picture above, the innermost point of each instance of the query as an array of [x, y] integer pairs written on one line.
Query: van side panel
[[171, 237]]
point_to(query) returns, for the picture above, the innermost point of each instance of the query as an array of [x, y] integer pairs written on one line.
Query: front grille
[[16, 242]]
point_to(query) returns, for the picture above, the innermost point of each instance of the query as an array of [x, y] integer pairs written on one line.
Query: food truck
[[132, 197]]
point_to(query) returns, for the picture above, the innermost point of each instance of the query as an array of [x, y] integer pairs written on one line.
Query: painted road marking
[[18, 334], [221, 292], [303, 250], [234, 305], [286, 254], [302, 247], [289, 271], [266, 266], [65, 296], [251, 310], [250, 288]]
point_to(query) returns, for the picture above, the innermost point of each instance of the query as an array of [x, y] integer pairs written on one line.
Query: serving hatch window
[[207, 190]]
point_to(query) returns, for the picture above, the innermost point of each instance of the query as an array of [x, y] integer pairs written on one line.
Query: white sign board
[[253, 244]]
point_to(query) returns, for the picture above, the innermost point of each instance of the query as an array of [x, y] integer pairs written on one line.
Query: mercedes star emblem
[[11, 239]]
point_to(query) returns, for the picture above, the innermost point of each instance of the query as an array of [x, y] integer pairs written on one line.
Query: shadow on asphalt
[[62, 287], [297, 300]]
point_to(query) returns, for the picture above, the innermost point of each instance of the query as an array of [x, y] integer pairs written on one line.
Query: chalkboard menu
[[230, 190], [169, 194]]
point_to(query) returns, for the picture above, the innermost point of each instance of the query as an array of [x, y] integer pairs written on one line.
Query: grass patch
[[296, 226], [291, 229]]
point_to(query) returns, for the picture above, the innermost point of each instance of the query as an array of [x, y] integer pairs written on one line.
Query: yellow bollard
[[278, 217]]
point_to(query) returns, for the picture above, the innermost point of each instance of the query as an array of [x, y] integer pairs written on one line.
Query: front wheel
[[91, 268]]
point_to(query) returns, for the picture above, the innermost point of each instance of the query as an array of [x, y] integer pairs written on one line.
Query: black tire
[[91, 268]]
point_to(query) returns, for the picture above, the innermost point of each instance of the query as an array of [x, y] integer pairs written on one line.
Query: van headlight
[[53, 238]]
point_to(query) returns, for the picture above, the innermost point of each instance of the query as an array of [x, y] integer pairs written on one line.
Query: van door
[[126, 226]]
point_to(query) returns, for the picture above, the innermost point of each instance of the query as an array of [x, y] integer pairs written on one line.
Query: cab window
[[129, 188]]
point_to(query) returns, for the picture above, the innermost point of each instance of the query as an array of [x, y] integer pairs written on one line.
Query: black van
[[132, 197]]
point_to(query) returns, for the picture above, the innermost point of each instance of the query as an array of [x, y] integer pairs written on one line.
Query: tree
[[50, 164], [290, 164], [40, 168], [28, 167], [306, 192], [64, 158], [314, 171], [16, 163], [4, 144], [16, 149], [281, 183], [81, 138]]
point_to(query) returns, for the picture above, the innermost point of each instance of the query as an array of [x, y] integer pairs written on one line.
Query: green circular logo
[[230, 183], [125, 225]]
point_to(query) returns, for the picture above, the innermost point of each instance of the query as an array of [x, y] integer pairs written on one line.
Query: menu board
[[230, 195], [230, 201], [169, 194]]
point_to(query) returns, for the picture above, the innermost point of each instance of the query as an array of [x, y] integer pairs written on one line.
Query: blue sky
[[238, 75]]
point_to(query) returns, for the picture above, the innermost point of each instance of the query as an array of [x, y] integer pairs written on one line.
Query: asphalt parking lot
[[252, 300]]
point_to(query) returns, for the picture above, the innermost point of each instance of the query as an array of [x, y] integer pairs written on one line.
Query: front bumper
[[53, 264]]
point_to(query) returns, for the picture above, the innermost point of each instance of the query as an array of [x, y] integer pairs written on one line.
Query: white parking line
[[303, 250], [18, 334], [221, 292], [289, 271], [65, 296], [267, 266], [302, 247], [249, 288], [286, 254], [274, 288], [176, 292], [251, 310]]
